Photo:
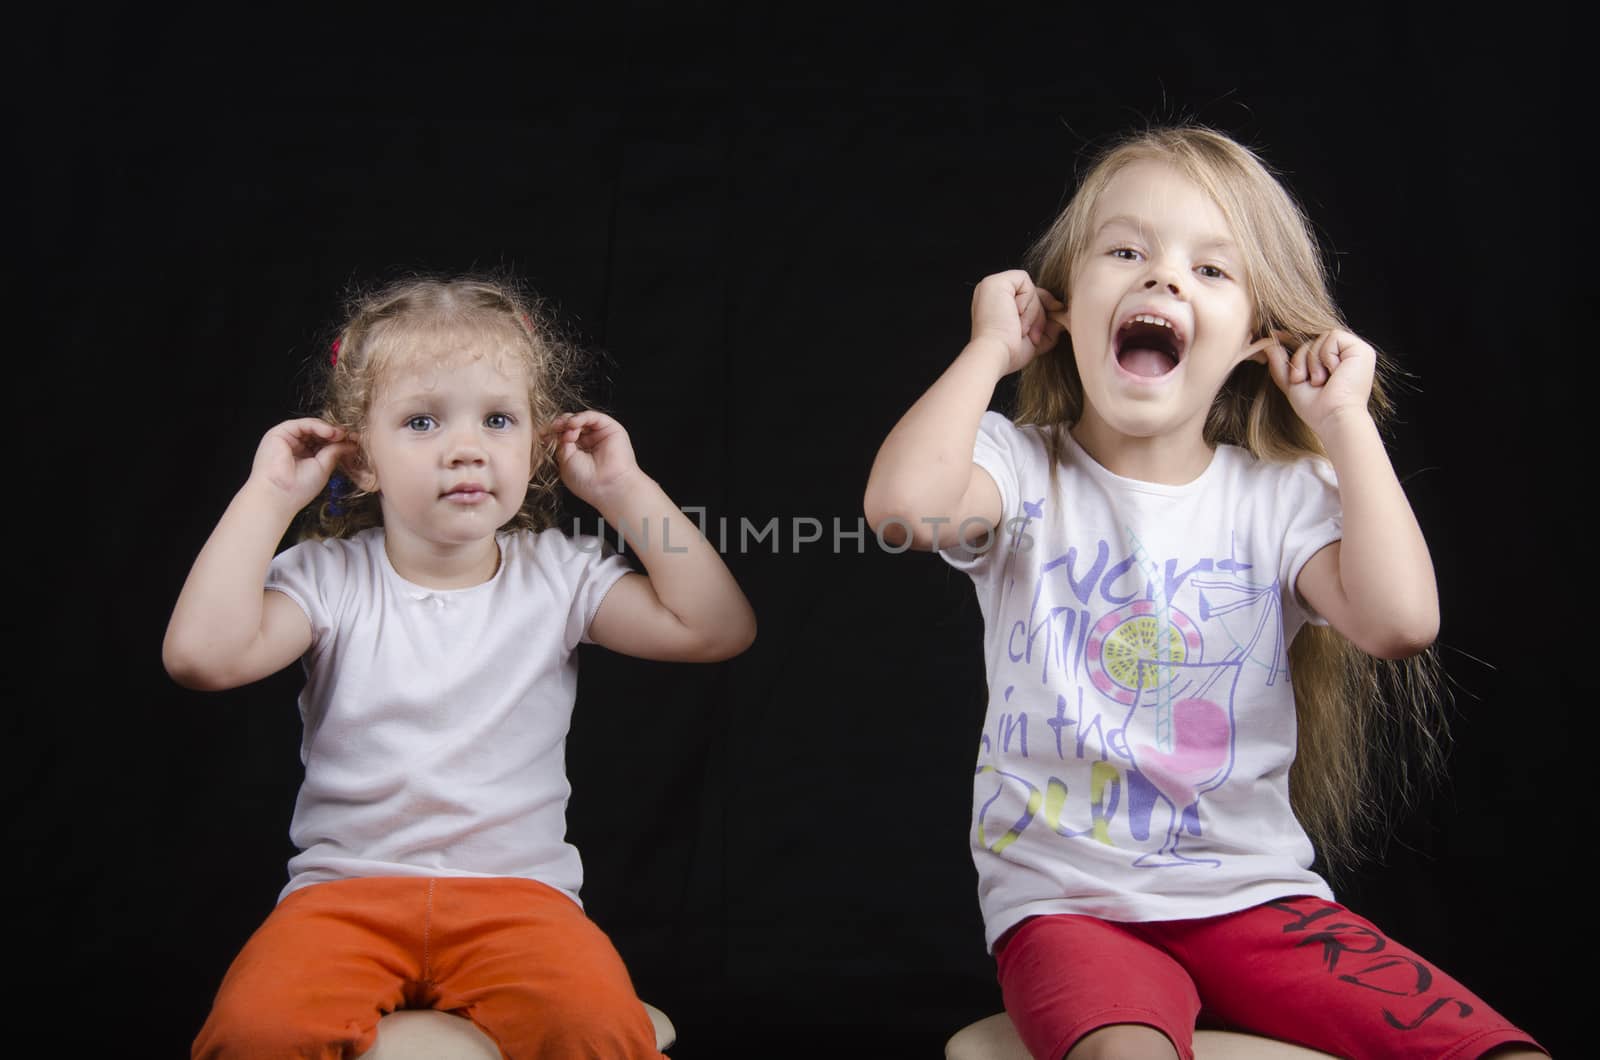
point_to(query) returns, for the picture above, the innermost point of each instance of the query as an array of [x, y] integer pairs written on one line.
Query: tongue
[[1149, 363]]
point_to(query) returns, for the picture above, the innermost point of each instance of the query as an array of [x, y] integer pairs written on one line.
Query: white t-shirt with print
[[1134, 760], [436, 719]]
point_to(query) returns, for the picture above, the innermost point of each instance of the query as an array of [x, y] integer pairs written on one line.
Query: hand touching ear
[[1027, 320], [297, 456], [1324, 379], [594, 454]]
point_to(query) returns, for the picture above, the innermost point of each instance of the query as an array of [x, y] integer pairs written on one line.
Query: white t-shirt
[[436, 719], [1134, 761]]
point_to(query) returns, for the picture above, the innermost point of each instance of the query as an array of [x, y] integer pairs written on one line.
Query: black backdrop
[[770, 224]]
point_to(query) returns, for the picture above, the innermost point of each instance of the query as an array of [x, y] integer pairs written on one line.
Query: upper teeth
[[1146, 318]]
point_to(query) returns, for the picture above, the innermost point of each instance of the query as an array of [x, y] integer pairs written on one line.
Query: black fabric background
[[770, 223]]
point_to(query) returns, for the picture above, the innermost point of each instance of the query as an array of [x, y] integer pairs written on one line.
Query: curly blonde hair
[[1370, 732], [424, 319]]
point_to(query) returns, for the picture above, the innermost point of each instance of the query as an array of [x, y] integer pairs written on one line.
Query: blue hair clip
[[338, 489]]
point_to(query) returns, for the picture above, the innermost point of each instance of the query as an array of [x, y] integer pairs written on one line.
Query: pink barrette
[[333, 353]]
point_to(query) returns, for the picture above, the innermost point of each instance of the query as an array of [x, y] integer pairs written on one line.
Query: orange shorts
[[516, 957]]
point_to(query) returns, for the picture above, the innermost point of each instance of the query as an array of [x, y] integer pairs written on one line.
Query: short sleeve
[[303, 573], [590, 567], [1309, 493], [995, 452]]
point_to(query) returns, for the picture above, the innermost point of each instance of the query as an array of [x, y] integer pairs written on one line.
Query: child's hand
[[1326, 378], [296, 457], [1008, 307], [593, 452]]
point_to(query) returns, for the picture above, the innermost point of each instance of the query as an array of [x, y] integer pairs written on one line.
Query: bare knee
[[1124, 1041]]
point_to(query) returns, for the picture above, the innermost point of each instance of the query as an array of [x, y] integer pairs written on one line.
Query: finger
[[1318, 364], [581, 436], [1027, 308], [307, 446], [602, 423], [598, 433], [1033, 324], [297, 438], [588, 419], [1060, 318], [310, 425], [1278, 364], [1341, 341], [1287, 339], [1011, 282], [1050, 301], [1331, 361], [329, 456], [1297, 365], [1349, 345], [559, 425], [1052, 331], [1018, 280]]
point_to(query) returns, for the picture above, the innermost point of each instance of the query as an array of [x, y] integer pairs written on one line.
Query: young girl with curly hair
[[436, 611]]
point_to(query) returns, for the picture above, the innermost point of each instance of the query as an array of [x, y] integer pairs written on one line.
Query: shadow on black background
[[771, 226]]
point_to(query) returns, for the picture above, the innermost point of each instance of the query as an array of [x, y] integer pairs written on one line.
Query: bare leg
[[1226, 1045], [1124, 1041]]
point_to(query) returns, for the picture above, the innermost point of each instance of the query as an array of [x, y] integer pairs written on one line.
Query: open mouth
[[1149, 346]]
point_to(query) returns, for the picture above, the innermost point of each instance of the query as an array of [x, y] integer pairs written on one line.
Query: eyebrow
[[432, 397], [1216, 242]]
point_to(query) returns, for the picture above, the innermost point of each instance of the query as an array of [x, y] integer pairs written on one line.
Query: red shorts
[[1300, 970], [519, 959]]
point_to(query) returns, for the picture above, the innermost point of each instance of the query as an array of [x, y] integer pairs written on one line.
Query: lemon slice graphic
[[1136, 641], [1136, 634]]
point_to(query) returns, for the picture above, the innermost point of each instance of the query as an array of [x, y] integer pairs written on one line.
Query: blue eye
[[497, 421], [419, 424], [1125, 253], [1212, 272]]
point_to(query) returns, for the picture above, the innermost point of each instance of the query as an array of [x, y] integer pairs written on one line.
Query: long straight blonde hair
[[1370, 732]]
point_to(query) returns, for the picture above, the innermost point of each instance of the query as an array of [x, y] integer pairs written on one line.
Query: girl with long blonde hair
[[1192, 556]]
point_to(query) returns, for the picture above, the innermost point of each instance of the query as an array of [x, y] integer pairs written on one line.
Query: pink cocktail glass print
[[1184, 745], [1201, 758]]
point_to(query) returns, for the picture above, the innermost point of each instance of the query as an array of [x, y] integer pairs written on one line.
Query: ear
[[359, 470], [1257, 350]]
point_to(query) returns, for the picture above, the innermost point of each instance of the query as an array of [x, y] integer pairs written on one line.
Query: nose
[[465, 449], [1163, 275]]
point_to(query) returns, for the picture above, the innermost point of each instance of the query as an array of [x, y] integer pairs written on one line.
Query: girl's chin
[[1145, 420]]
